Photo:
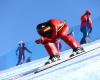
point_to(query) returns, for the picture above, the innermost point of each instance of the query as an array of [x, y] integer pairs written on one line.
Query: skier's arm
[[90, 23], [17, 50], [82, 23], [44, 40], [28, 50]]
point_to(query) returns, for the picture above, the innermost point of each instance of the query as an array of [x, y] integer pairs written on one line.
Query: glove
[[45, 40], [39, 41]]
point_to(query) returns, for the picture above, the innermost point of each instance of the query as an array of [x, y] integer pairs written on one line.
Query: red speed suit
[[84, 18], [59, 31]]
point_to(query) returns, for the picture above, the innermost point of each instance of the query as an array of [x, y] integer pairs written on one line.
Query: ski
[[44, 67]]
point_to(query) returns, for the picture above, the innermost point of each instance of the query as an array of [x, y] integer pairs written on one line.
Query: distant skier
[[21, 49], [53, 30], [86, 27]]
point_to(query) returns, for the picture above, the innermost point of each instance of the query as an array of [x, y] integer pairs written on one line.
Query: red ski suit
[[59, 31], [84, 18]]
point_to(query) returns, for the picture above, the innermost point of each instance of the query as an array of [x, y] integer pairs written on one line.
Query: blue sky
[[18, 18]]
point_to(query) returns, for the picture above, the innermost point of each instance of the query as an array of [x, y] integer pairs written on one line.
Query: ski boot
[[57, 57], [53, 59], [77, 51]]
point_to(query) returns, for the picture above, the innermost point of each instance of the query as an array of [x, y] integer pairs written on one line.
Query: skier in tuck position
[[21, 49], [86, 27], [51, 31]]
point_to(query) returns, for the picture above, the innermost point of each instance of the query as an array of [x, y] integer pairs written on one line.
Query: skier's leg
[[22, 58], [68, 39], [88, 38], [73, 44], [84, 31], [52, 51], [19, 60], [86, 35], [83, 40]]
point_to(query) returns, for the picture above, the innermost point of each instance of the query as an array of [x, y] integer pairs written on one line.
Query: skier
[[21, 49], [53, 30], [86, 27]]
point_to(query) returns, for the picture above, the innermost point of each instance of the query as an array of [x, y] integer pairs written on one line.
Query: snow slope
[[10, 59], [85, 67]]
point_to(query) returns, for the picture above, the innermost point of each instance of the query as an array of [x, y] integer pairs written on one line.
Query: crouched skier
[[51, 31]]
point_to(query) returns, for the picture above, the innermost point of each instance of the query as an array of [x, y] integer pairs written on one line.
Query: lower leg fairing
[[71, 41], [51, 49]]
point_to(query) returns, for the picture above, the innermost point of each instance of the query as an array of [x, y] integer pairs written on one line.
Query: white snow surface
[[85, 67]]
